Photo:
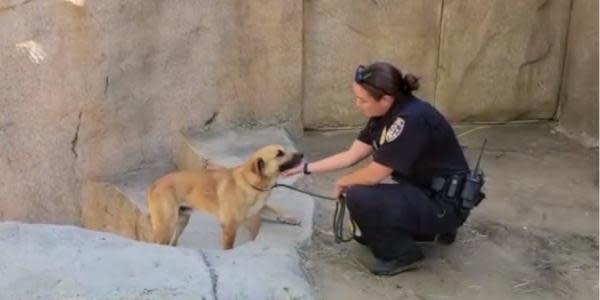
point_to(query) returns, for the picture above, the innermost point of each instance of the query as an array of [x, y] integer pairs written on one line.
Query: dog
[[236, 196]]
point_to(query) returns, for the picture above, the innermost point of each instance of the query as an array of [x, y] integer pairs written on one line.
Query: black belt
[[449, 186]]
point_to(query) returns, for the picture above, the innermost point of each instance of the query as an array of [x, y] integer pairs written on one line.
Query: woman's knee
[[358, 196]]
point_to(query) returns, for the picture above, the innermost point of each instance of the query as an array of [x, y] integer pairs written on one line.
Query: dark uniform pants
[[390, 215]]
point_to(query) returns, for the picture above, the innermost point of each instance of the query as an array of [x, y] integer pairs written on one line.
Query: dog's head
[[271, 160]]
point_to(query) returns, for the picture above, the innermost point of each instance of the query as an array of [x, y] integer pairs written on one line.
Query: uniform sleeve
[[400, 152], [365, 135]]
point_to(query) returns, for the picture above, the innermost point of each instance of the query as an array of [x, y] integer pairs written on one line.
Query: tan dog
[[236, 196]]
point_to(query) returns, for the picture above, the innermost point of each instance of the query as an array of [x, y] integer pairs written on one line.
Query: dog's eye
[[279, 153]]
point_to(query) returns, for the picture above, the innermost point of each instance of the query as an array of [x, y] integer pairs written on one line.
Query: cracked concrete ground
[[534, 237]]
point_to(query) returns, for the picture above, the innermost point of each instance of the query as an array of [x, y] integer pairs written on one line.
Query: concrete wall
[[102, 88], [492, 60], [501, 60], [579, 94], [339, 35]]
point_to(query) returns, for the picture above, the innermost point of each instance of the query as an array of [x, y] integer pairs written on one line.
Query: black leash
[[304, 192], [338, 215], [338, 222]]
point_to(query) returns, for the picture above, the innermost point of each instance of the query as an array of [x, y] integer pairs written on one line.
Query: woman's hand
[[293, 171], [340, 188]]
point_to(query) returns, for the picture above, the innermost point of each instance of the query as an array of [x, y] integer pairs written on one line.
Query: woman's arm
[[371, 174], [357, 152]]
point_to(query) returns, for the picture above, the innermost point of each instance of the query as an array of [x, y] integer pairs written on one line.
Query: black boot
[[361, 240], [407, 262], [447, 238]]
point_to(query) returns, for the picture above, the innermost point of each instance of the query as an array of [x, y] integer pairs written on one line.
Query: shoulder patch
[[395, 130], [382, 136]]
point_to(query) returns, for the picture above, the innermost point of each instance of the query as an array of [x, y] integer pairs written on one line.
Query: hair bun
[[411, 82]]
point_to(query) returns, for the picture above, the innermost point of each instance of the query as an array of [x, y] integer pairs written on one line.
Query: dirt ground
[[534, 237]]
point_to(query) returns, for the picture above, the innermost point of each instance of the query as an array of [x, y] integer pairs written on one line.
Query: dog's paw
[[289, 220]]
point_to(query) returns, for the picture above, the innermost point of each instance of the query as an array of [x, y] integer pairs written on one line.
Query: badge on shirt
[[382, 136], [394, 130]]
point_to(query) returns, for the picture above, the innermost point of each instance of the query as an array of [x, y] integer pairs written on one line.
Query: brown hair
[[381, 78]]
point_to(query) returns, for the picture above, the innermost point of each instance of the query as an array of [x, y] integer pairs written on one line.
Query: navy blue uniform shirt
[[416, 141]]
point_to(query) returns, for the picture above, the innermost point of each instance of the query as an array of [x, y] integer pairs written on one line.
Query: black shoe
[[396, 266], [447, 238], [361, 240]]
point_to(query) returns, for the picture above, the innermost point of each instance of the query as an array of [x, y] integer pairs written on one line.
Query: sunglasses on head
[[361, 75]]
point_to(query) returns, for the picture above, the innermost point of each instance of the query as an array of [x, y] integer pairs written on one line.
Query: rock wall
[[501, 60], [100, 87], [491, 60], [579, 94], [96, 88], [339, 35]]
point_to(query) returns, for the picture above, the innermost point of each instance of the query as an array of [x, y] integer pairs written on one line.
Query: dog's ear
[[258, 166]]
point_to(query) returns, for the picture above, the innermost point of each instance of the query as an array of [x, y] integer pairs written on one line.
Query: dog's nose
[[301, 155]]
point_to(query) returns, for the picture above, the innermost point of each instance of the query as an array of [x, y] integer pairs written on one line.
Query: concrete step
[[66, 262], [53, 262], [119, 204]]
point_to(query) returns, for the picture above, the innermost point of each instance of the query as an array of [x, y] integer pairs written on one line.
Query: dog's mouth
[[293, 162]]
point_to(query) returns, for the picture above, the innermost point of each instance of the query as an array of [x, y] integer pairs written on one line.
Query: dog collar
[[258, 189]]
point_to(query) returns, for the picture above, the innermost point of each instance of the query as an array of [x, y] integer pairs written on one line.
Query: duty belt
[[447, 190], [462, 191]]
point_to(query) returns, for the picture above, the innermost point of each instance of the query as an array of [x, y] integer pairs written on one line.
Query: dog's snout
[[294, 161]]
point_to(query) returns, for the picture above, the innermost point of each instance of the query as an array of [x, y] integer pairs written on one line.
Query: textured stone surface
[[39, 113], [260, 269], [340, 35], [501, 60], [99, 89], [63, 262], [579, 97]]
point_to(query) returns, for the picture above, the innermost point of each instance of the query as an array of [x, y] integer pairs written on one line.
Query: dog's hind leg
[[253, 225], [183, 218], [163, 215]]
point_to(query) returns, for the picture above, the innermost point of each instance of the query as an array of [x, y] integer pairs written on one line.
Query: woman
[[412, 143]]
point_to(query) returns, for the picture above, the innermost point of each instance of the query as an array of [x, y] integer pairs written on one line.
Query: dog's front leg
[[229, 232], [253, 225]]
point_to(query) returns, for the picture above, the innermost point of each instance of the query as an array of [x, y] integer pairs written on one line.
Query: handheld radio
[[471, 194]]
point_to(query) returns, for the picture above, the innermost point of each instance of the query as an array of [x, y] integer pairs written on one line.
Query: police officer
[[411, 142]]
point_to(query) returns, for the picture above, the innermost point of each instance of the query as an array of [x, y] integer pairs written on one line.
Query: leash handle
[[338, 222]]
